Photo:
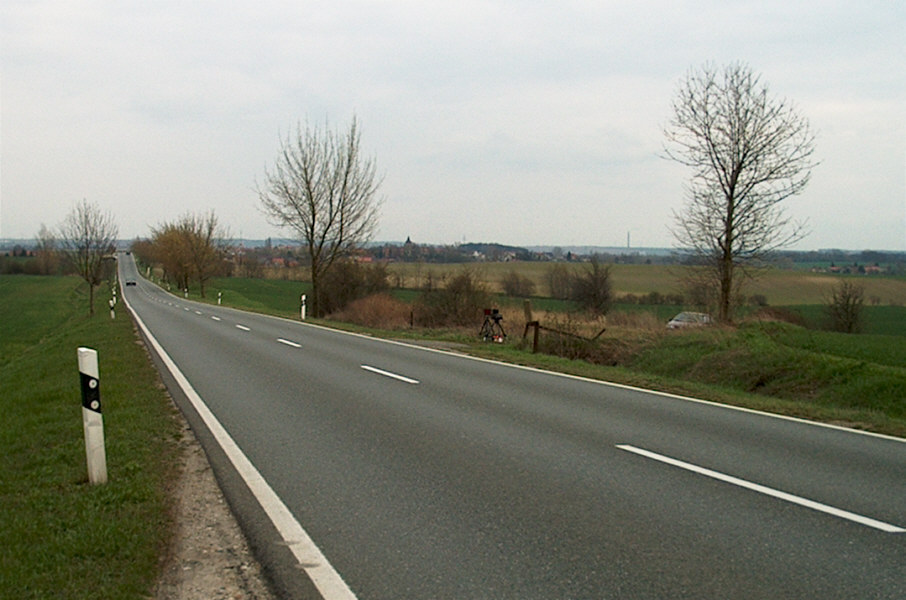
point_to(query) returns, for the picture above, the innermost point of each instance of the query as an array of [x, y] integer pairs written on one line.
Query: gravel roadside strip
[[210, 558]]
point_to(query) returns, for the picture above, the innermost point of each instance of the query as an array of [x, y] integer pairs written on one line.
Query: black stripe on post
[[91, 392]]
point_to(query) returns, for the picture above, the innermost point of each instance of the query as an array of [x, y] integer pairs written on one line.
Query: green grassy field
[[880, 320], [273, 296], [61, 537], [864, 374]]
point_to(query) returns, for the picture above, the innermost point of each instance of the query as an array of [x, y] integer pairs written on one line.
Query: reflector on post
[[92, 420]]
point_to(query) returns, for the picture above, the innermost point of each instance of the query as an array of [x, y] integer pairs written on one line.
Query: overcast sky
[[520, 122]]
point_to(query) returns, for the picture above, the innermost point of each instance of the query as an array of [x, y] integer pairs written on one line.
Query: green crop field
[[61, 537]]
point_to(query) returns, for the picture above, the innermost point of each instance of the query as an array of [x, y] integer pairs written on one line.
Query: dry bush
[[776, 313], [380, 311], [569, 337], [461, 302], [591, 287], [843, 309], [558, 280], [516, 284], [636, 320], [347, 281]]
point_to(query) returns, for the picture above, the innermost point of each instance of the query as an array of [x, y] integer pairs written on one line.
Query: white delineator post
[[302, 308], [92, 420]]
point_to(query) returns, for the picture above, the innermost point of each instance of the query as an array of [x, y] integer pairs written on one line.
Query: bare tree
[[591, 287], [46, 251], [87, 240], [844, 307], [558, 281], [748, 151], [206, 243], [323, 189]]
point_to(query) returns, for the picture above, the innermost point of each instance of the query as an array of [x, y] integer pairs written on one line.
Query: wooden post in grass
[[530, 322], [537, 326], [92, 420]]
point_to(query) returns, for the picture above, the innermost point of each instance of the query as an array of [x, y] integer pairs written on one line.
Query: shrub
[[461, 302], [347, 281], [700, 292], [380, 311], [674, 299], [844, 308], [515, 284], [591, 288], [777, 313], [654, 298], [558, 281], [567, 337], [638, 319], [758, 300]]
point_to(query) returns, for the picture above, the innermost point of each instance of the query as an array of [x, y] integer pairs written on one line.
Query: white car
[[689, 319]]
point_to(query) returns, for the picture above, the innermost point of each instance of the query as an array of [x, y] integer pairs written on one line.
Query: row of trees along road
[[193, 247]]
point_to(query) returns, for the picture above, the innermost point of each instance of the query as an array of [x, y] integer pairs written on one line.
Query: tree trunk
[[315, 292]]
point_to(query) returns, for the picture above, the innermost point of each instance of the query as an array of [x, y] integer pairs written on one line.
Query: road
[[425, 474]]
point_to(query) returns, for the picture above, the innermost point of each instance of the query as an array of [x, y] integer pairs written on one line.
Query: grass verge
[[747, 369], [61, 537]]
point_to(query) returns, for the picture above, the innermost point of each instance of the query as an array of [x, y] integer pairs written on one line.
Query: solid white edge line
[[329, 583], [389, 374], [837, 512], [289, 343]]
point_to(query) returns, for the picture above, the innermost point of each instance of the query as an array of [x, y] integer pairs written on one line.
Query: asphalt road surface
[[422, 474]]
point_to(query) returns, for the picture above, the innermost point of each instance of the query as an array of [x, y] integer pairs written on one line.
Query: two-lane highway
[[423, 474]]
